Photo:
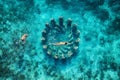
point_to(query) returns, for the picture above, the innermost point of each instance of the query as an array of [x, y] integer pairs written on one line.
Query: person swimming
[[23, 39], [24, 36]]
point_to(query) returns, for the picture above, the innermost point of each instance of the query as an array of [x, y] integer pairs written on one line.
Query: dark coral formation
[[114, 5], [67, 4], [18, 10], [60, 40], [101, 14], [116, 24]]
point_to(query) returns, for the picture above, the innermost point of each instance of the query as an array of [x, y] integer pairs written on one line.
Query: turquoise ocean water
[[30, 49]]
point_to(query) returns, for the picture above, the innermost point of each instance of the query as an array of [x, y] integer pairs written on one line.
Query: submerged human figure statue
[[59, 43]]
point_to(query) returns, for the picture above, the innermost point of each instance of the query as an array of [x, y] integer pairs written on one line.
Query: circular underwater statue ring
[[60, 40]]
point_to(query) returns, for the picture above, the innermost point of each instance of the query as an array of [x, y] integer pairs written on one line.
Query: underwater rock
[[60, 40]]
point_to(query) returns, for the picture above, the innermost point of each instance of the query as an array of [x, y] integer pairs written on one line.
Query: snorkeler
[[23, 38]]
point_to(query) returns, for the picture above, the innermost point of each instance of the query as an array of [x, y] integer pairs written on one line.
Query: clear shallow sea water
[[98, 56]]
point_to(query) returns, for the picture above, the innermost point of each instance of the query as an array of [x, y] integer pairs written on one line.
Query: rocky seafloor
[[98, 56]]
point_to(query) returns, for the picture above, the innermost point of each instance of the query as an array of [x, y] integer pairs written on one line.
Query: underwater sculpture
[[60, 40]]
